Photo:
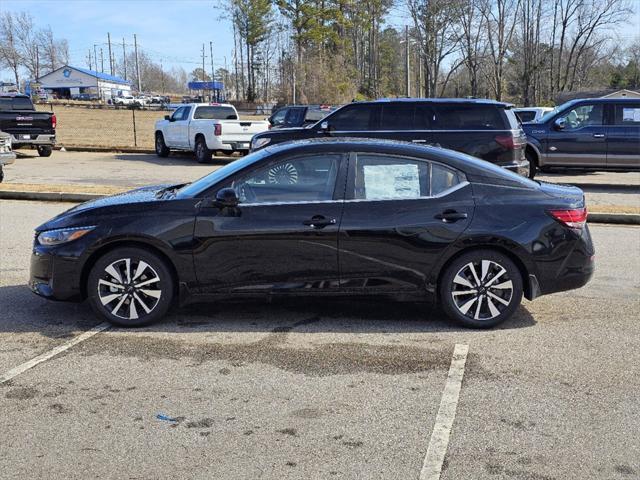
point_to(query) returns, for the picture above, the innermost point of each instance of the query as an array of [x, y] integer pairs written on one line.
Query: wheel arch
[[199, 136], [533, 149], [529, 286], [125, 243]]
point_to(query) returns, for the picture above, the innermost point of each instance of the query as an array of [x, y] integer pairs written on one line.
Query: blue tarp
[[205, 85]]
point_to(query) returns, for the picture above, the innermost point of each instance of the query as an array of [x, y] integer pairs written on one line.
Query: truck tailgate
[[26, 122], [240, 130]]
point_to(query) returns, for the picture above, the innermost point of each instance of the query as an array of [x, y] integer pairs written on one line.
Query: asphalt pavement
[[340, 389]]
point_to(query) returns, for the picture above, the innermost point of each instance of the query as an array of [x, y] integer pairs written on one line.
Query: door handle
[[417, 140], [598, 135], [450, 216], [319, 221]]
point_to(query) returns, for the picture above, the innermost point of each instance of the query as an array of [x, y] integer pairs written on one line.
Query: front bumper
[[42, 139], [54, 277], [7, 158]]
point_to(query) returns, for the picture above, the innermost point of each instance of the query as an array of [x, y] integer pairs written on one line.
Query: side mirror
[[559, 124], [227, 197], [167, 117], [324, 126]]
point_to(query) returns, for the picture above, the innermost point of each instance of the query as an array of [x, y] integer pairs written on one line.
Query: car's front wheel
[[161, 148], [533, 165], [130, 287], [481, 289]]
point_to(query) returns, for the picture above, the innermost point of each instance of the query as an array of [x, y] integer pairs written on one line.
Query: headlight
[[259, 142], [62, 235]]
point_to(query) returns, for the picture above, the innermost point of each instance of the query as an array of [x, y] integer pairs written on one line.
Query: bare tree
[[10, 54], [472, 44]]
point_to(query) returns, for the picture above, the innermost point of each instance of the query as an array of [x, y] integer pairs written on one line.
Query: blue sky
[[171, 30]]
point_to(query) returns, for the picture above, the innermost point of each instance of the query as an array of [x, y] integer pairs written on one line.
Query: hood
[[139, 195]]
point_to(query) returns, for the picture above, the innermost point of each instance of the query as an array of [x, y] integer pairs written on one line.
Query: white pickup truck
[[204, 128]]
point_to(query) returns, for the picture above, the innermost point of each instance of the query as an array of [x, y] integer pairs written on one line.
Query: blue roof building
[[67, 81]]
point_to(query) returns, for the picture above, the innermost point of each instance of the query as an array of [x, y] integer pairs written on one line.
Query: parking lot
[[324, 389]]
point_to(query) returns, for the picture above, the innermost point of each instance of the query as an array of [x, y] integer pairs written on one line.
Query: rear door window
[[295, 117], [397, 116], [470, 117], [424, 117], [627, 114], [352, 118]]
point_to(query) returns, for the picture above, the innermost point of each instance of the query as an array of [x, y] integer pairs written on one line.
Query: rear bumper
[[41, 139]]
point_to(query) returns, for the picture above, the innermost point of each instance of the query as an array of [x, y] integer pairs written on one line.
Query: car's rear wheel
[[44, 150], [203, 154], [130, 287], [481, 289], [161, 148]]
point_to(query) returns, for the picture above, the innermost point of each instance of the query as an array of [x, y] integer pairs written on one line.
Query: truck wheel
[[161, 148], [203, 154], [44, 150], [533, 164]]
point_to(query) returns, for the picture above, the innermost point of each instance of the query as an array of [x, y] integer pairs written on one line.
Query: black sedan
[[325, 217]]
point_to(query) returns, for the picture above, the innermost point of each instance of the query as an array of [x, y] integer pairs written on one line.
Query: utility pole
[[203, 71], [161, 76], [101, 61], [212, 73], [95, 56], [88, 57], [406, 44], [135, 46], [124, 58], [110, 54], [38, 62]]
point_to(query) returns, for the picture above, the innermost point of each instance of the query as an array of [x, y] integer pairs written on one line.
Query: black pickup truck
[[27, 127]]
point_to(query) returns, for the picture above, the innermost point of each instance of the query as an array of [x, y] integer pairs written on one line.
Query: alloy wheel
[[129, 288], [482, 290]]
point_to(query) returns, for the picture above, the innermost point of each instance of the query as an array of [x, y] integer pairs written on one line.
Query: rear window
[[15, 103], [628, 114], [526, 115], [215, 113], [472, 117]]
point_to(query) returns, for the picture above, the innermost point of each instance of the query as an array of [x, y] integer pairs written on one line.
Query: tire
[[108, 278], [502, 296], [161, 148], [44, 150], [203, 154], [533, 164]]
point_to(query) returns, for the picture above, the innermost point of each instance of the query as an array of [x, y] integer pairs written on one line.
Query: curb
[[49, 196], [594, 217]]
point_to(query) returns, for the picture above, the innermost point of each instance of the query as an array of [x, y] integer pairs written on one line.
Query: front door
[[399, 217], [282, 237], [582, 141], [173, 127]]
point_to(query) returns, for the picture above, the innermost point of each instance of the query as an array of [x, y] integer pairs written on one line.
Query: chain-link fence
[[108, 126]]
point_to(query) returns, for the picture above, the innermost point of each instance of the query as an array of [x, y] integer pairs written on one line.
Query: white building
[[67, 81]]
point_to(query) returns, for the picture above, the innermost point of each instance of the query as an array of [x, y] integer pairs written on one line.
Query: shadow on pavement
[[176, 158], [25, 312]]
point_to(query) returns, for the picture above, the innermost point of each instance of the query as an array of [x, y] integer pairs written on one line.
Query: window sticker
[[631, 114], [391, 181]]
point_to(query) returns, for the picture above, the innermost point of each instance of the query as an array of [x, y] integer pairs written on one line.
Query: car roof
[[599, 100], [14, 95], [471, 166], [475, 101]]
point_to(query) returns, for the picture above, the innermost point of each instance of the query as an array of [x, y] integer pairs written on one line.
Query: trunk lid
[[565, 195], [241, 130]]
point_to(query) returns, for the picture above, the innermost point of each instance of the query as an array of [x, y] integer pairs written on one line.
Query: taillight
[[575, 218], [510, 143], [54, 121], [217, 129]]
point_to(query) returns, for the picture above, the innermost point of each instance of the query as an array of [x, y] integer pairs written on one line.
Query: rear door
[[400, 215], [623, 136], [582, 141]]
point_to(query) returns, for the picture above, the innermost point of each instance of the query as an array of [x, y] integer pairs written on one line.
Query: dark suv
[[485, 129], [595, 134]]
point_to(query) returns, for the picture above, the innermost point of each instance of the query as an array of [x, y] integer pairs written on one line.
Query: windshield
[[194, 189]]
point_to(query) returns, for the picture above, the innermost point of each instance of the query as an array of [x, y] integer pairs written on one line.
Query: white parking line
[[14, 372], [433, 460]]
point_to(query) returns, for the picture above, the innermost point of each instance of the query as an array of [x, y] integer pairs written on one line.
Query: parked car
[[595, 134], [124, 100], [205, 128], [27, 127], [531, 114], [7, 157], [299, 115], [87, 97], [328, 218], [483, 128]]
